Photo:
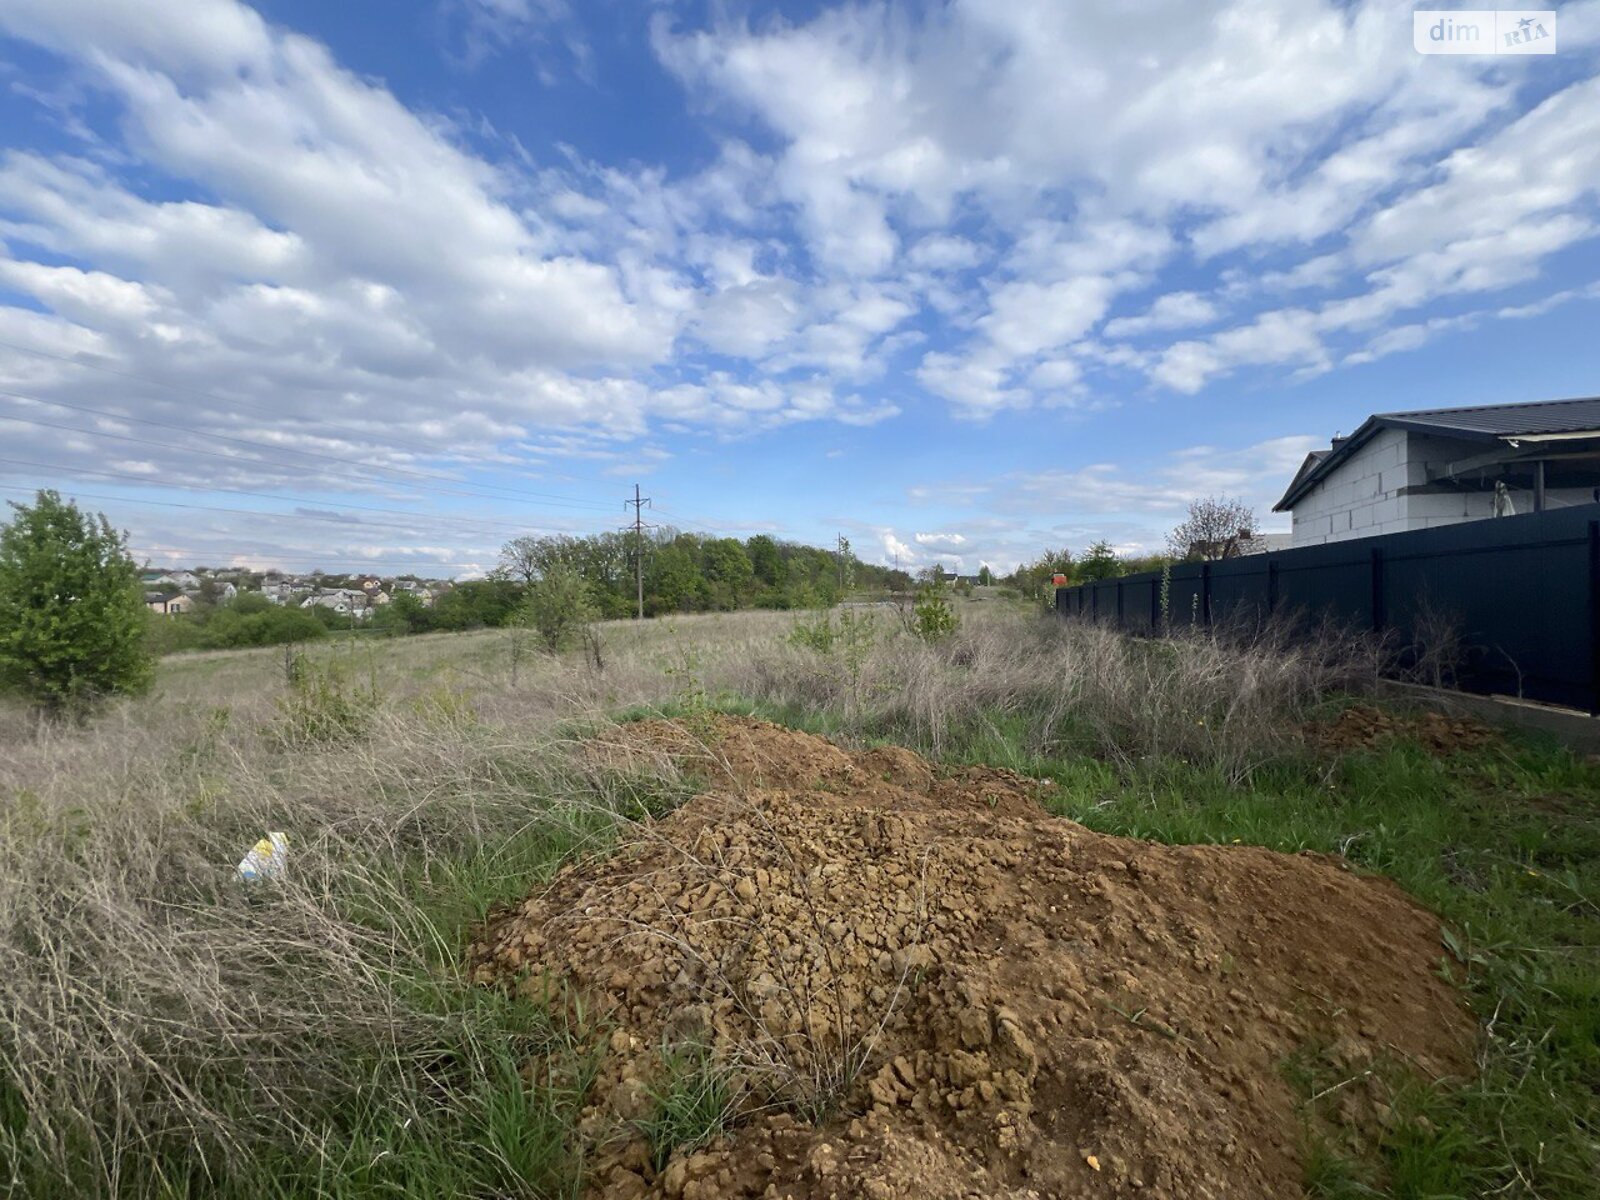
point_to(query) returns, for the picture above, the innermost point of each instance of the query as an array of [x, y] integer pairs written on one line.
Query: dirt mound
[[923, 985], [1362, 727]]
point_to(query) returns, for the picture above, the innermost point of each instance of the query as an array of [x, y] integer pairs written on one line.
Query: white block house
[[1416, 470]]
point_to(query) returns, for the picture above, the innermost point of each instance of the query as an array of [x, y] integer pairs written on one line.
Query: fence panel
[[1523, 593]]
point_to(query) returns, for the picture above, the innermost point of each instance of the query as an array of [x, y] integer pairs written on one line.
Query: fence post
[[1594, 618], [1205, 593], [1376, 598]]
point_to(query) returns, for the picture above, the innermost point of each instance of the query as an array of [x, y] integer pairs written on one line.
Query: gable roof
[[1483, 423]]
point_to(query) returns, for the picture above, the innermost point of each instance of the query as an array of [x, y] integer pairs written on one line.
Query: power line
[[691, 524], [639, 503], [226, 404]]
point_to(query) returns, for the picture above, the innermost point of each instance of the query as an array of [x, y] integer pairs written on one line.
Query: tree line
[[685, 572]]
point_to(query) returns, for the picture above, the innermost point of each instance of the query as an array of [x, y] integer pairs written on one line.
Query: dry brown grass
[[1016, 688], [165, 1029]]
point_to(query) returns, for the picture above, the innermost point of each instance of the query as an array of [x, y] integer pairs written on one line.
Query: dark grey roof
[[1488, 423], [1503, 420]]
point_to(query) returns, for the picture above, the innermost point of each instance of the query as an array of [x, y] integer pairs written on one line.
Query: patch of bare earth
[[922, 985], [1365, 727]]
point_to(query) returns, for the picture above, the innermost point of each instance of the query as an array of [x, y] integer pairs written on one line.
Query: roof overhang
[[1313, 472]]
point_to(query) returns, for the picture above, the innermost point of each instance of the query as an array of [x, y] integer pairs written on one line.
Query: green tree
[[1033, 579], [932, 618], [1100, 561], [558, 606], [72, 623], [728, 570], [673, 582], [250, 619], [985, 576], [765, 560], [403, 614]]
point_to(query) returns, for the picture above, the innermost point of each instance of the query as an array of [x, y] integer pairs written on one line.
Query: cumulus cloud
[[344, 268], [1175, 310], [983, 208], [1180, 128]]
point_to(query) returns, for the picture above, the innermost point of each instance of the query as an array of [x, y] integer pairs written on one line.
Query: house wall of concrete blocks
[[1362, 497]]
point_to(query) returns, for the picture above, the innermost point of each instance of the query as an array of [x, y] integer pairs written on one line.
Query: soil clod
[[907, 982]]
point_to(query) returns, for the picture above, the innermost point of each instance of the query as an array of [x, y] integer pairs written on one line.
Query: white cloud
[[943, 252], [749, 318], [265, 243], [1175, 310], [1285, 123], [896, 550]]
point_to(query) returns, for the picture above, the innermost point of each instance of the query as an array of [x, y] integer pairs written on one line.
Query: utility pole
[[638, 504]]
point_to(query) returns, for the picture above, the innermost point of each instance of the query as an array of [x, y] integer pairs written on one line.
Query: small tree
[[558, 607], [1213, 529], [1099, 562], [985, 576], [932, 618], [72, 622]]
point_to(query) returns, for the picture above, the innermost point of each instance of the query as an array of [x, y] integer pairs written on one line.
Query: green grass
[[1503, 843], [692, 1102]]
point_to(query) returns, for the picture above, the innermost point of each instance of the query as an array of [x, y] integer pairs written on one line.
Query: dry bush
[[1438, 645], [1022, 687]]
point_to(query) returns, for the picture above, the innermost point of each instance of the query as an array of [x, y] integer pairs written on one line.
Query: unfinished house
[[1440, 466]]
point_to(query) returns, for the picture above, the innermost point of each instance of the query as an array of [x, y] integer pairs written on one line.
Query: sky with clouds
[[382, 283]]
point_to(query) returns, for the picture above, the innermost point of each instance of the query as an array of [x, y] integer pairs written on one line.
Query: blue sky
[[381, 284]]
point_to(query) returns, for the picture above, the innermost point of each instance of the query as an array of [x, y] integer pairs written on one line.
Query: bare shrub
[[1224, 698], [1437, 644]]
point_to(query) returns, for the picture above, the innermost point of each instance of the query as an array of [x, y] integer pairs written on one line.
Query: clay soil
[[1363, 727], [916, 983]]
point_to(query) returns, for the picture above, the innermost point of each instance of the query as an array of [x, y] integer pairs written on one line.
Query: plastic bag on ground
[[267, 859]]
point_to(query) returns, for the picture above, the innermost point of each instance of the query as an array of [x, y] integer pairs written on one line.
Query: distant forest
[[684, 572]]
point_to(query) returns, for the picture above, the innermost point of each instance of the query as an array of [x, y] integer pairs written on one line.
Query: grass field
[[165, 1031]]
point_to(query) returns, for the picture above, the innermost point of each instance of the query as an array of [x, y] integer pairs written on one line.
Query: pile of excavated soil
[[1363, 727], [922, 985]]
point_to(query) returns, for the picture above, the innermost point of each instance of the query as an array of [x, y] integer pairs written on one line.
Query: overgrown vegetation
[[166, 1030], [684, 572], [71, 621]]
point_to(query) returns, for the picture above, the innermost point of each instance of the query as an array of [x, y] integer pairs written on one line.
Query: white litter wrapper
[[267, 859]]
